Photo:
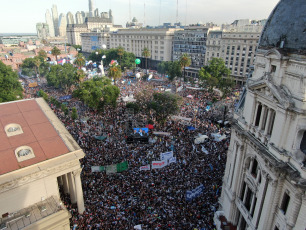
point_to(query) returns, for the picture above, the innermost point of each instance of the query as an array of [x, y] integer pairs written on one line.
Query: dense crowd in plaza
[[156, 198]]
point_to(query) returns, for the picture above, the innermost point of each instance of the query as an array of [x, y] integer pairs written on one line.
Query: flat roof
[[39, 133]]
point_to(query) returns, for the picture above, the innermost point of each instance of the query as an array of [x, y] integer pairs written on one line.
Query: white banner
[[145, 168], [172, 160], [166, 155], [159, 164]]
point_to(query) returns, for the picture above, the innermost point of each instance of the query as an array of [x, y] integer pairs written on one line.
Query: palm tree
[[120, 52], [146, 53], [79, 60], [184, 62], [37, 63], [55, 52], [114, 72]]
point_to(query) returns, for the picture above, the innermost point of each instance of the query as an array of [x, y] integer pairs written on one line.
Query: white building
[[38, 156], [158, 41], [70, 18], [62, 24], [49, 21], [55, 19], [265, 177]]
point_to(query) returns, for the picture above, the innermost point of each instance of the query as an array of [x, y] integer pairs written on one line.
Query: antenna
[[130, 10], [144, 14], [186, 15], [176, 11], [159, 12]]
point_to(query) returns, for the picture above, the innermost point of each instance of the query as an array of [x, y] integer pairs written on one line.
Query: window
[[243, 190], [258, 115], [303, 143], [285, 203], [271, 123], [24, 153], [273, 68], [254, 168], [248, 199], [13, 129]]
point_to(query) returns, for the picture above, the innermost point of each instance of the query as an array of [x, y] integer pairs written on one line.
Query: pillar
[[65, 183], [262, 116], [79, 190], [72, 188], [255, 114]]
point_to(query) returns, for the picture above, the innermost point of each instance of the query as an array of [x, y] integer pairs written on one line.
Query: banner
[[166, 155], [172, 160], [145, 168], [122, 166], [67, 97], [100, 138], [159, 164], [33, 84], [97, 168], [204, 150], [194, 193], [110, 169]]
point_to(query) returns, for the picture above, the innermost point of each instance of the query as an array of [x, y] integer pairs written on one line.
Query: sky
[[21, 16]]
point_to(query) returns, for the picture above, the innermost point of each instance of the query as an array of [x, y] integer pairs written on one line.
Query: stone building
[[38, 156], [265, 177], [192, 41]]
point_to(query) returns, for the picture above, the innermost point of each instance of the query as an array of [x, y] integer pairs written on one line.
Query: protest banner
[[97, 168], [166, 155], [145, 168], [123, 166], [172, 160], [159, 164], [194, 193]]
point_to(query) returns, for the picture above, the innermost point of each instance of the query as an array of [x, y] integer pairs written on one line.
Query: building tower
[[91, 8], [62, 24], [79, 18], [49, 21], [265, 177], [55, 19], [70, 18]]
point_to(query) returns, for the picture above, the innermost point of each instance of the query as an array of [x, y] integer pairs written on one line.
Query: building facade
[[94, 40], [264, 186], [42, 30], [158, 41], [55, 19], [49, 21], [38, 159], [192, 41], [62, 25]]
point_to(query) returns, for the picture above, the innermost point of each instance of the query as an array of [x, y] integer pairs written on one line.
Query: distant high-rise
[[62, 24], [55, 19], [49, 21], [96, 12], [91, 8], [42, 30], [79, 18], [70, 18]]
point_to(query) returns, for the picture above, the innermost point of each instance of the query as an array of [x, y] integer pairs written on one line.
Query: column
[[268, 122], [71, 188], [65, 183], [293, 215], [79, 190], [262, 116], [60, 181]]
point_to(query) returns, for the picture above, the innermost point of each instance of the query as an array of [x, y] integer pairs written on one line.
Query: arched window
[[258, 115], [13, 129], [23, 153]]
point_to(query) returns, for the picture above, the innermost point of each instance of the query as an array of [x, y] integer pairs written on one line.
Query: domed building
[[265, 177]]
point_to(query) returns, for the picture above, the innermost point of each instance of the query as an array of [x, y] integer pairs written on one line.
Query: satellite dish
[[137, 75]]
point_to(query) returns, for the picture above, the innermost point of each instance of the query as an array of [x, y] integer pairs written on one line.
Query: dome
[[286, 27]]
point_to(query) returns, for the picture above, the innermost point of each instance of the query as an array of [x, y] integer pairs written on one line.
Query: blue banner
[[190, 195], [67, 97]]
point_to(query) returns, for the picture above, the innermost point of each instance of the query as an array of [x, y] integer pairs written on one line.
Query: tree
[[63, 77], [42, 54], [174, 70], [97, 92], [184, 62], [79, 60], [164, 105], [10, 87], [216, 74], [37, 63], [74, 113], [114, 72], [146, 53], [55, 52], [120, 52]]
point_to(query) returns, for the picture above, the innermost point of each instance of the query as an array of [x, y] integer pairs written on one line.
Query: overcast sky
[[21, 16]]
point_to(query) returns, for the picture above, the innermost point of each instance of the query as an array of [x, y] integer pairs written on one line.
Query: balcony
[[34, 214]]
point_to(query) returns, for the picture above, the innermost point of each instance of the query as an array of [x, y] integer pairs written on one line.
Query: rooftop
[[38, 133]]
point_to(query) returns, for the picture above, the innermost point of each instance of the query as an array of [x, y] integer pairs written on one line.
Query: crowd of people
[[156, 198]]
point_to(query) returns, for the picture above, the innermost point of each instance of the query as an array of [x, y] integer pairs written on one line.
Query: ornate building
[[38, 156], [265, 178]]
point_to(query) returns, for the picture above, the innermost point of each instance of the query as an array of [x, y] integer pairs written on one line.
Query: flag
[[204, 150], [122, 166], [97, 168], [138, 227], [166, 155], [110, 169], [211, 167], [172, 160], [191, 194]]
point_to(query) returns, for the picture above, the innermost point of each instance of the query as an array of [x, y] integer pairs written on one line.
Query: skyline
[[219, 11]]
